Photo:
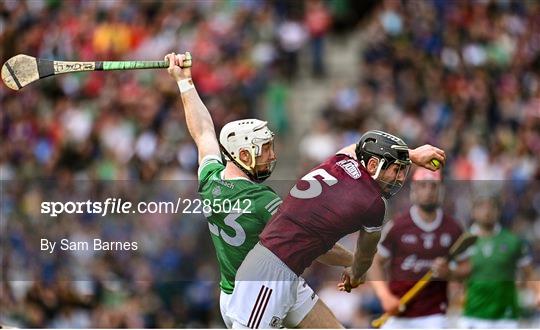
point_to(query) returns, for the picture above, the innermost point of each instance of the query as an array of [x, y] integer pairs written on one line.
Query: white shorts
[[435, 321], [268, 294], [475, 323], [223, 303]]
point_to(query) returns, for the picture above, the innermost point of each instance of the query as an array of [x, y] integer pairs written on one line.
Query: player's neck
[[232, 171], [486, 229], [427, 216]]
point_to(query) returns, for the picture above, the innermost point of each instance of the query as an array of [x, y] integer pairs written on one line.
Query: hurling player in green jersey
[[238, 206], [497, 257]]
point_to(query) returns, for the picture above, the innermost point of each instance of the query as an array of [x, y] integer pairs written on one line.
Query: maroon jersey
[[412, 245], [336, 198]]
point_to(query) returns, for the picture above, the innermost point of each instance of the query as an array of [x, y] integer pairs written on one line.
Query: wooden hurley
[[21, 70]]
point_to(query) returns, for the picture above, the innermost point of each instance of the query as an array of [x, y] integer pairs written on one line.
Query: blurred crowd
[[98, 135], [463, 75]]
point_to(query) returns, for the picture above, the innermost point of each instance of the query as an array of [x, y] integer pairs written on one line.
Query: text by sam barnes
[[95, 245]]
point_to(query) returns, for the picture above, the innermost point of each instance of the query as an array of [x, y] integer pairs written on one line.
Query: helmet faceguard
[[387, 149], [249, 135], [390, 188]]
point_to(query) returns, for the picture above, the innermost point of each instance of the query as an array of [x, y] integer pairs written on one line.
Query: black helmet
[[388, 149]]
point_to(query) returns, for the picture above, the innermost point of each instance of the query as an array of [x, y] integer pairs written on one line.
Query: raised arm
[[198, 119], [423, 155]]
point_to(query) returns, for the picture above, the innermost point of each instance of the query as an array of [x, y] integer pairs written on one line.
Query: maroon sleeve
[[373, 219]]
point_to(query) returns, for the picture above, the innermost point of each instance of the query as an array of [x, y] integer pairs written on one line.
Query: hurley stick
[[21, 70]]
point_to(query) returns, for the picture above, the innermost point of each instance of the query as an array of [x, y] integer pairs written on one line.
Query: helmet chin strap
[[246, 169], [379, 168], [250, 169]]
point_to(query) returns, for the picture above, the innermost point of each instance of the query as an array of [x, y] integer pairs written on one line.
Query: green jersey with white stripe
[[491, 287], [237, 213]]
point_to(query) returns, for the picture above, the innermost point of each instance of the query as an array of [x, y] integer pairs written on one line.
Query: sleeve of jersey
[[208, 165], [268, 203], [374, 217]]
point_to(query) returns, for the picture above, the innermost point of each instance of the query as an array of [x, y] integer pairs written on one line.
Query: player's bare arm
[[338, 255], [198, 119], [366, 248], [423, 155], [377, 278]]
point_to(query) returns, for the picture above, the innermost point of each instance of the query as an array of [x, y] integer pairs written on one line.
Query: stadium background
[[462, 75]]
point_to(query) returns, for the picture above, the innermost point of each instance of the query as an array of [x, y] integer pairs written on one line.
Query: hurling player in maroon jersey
[[342, 195], [414, 243]]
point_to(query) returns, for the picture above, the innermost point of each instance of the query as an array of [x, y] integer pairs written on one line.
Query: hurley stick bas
[[464, 241], [21, 70]]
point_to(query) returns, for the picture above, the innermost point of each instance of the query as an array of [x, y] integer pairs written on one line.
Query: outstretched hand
[[423, 156], [349, 282], [179, 65]]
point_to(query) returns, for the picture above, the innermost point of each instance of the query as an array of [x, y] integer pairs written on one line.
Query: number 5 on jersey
[[315, 186]]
